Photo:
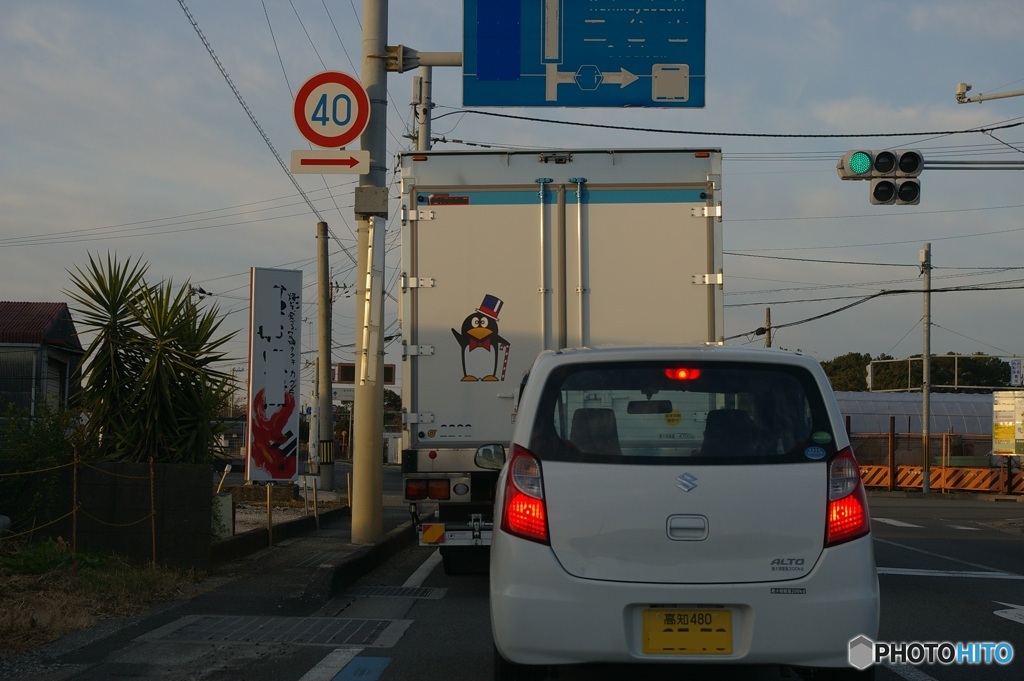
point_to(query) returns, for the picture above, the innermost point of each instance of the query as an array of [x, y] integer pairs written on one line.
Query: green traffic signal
[[860, 162]]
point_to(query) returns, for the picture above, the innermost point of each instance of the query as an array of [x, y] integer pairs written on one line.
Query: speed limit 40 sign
[[331, 109]]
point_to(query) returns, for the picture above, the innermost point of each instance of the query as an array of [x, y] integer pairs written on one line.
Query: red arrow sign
[[330, 161]]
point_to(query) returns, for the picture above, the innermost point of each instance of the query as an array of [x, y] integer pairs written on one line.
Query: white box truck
[[506, 254]]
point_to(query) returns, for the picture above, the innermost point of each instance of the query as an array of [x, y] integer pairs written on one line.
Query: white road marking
[[968, 563], [896, 523], [1014, 613], [987, 574], [333, 662], [964, 527], [423, 571]]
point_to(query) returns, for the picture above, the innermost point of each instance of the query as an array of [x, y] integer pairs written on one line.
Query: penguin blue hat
[[491, 306]]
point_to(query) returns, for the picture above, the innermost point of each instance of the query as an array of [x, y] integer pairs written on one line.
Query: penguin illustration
[[480, 342]]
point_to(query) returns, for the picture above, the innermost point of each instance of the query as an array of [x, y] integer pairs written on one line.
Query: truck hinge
[[477, 520], [406, 281], [707, 211], [424, 214], [417, 417], [715, 279], [417, 350]]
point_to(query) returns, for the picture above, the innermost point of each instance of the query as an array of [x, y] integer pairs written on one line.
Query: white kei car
[[691, 505]]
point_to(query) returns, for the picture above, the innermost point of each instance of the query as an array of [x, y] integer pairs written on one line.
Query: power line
[[864, 299], [668, 131], [248, 111]]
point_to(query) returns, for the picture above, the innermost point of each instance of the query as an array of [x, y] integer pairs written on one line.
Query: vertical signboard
[[1008, 423], [275, 304]]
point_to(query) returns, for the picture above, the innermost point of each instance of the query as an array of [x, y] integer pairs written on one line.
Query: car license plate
[[672, 631]]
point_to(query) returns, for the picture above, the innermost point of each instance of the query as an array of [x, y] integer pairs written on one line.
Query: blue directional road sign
[[603, 53]]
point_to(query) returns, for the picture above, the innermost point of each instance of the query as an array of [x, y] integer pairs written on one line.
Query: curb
[[241, 545], [366, 558]]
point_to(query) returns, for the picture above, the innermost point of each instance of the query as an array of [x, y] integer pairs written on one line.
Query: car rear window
[[706, 412]]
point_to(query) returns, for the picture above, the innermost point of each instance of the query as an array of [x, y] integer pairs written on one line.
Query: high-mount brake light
[[847, 515], [525, 511], [682, 373]]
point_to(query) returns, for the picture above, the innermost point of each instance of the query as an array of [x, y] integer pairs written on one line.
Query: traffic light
[[856, 165], [893, 174], [894, 178]]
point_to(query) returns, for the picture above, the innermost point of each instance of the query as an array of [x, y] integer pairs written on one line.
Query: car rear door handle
[[687, 527]]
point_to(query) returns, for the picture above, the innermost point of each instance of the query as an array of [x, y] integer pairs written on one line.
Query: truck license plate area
[[672, 631]]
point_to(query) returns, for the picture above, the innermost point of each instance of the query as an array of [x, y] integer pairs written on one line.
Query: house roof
[[38, 324]]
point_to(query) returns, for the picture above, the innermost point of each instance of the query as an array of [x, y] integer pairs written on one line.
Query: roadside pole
[[371, 200], [325, 423], [926, 374]]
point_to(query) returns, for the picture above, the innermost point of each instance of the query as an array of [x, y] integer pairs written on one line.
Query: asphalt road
[[950, 570]]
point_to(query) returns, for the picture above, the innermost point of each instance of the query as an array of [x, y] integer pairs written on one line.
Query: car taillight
[[847, 501], [525, 512]]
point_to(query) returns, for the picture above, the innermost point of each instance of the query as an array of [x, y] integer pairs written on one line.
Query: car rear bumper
[[542, 615]]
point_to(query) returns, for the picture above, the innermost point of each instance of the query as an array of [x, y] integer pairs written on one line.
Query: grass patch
[[46, 592]]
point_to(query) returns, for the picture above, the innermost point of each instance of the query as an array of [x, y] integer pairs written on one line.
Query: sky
[[120, 134]]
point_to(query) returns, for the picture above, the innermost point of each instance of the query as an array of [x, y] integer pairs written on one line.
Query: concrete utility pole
[[325, 423], [926, 374], [422, 93], [371, 199]]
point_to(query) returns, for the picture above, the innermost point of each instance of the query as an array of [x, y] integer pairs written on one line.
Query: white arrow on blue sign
[[603, 53]]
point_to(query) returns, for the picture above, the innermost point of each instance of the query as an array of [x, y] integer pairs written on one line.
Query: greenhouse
[[950, 412]]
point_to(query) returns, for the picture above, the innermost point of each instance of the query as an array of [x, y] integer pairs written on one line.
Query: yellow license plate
[[701, 631]]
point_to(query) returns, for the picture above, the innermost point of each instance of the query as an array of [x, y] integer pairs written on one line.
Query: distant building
[[40, 355]]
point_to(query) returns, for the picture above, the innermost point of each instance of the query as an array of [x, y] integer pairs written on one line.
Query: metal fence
[[956, 462]]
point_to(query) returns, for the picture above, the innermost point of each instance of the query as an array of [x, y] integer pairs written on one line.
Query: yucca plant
[[150, 385]]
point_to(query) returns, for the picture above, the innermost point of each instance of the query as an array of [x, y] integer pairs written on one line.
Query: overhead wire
[[248, 111]]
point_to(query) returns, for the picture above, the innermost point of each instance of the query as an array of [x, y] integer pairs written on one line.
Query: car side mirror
[[491, 457]]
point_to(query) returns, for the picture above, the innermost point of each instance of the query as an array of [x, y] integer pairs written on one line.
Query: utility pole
[[422, 87], [325, 424], [926, 374], [371, 200], [767, 327]]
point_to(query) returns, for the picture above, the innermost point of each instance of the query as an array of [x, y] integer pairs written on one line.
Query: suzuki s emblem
[[686, 482]]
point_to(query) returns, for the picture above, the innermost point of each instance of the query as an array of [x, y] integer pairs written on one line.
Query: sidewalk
[[293, 578]]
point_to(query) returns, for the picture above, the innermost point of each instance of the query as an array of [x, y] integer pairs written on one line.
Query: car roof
[[719, 353]]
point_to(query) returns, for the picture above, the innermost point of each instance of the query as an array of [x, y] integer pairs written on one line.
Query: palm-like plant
[[151, 387]]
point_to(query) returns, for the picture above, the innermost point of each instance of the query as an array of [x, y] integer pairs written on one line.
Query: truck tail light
[[847, 517], [418, 489], [525, 511], [415, 490]]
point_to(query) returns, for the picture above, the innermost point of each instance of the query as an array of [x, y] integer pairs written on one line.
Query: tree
[[150, 385], [848, 372], [392, 410]]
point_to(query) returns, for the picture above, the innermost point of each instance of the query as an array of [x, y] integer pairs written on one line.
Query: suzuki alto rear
[[692, 505]]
